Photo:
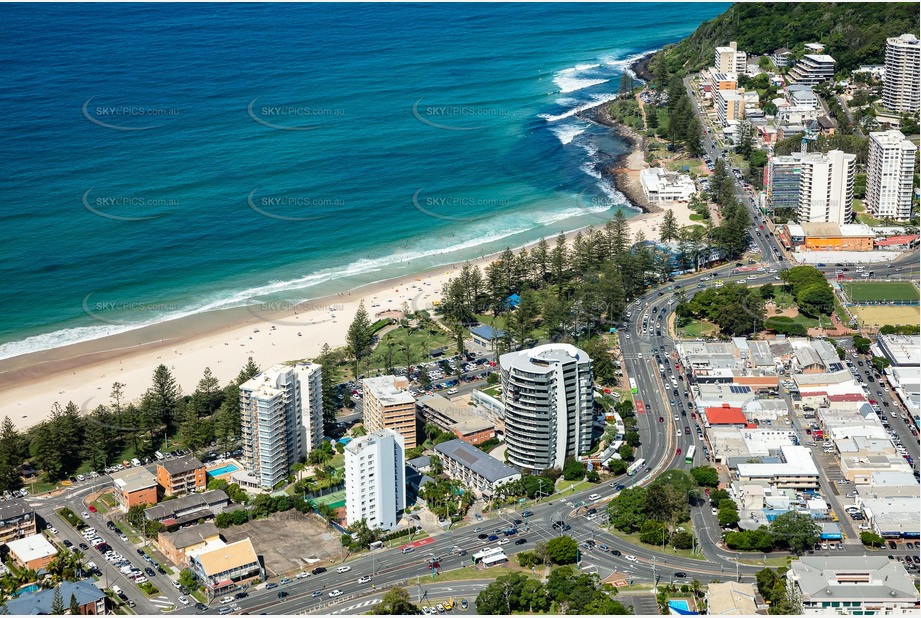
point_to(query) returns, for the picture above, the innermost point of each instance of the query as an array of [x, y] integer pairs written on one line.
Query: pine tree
[[74, 606], [540, 257], [669, 229], [160, 403], [328, 385], [13, 451], [57, 602], [359, 338], [250, 370]]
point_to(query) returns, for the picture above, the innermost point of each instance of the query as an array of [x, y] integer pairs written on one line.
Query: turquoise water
[[680, 604], [165, 160], [27, 589], [223, 470]]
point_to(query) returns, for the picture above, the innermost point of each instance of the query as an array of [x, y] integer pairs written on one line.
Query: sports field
[[881, 315], [880, 291]]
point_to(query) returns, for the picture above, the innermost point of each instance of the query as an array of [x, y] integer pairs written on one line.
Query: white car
[[343, 569], [335, 593], [595, 497], [226, 600], [627, 335], [302, 575], [504, 541], [52, 530], [364, 579], [85, 514], [123, 538], [630, 558], [183, 600]]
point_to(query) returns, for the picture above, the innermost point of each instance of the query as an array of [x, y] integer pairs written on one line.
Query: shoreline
[[223, 340]]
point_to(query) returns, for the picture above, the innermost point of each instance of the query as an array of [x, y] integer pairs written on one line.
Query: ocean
[[165, 160]]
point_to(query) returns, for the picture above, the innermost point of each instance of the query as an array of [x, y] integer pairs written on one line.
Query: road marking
[[357, 606]]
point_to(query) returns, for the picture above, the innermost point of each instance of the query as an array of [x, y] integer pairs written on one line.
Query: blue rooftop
[[487, 332]]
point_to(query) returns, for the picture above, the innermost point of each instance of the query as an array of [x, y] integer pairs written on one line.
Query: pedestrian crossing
[[349, 609], [162, 602]]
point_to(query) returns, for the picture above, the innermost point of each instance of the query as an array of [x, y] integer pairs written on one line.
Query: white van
[[343, 569], [594, 497], [662, 368], [158, 455], [116, 590], [135, 462]]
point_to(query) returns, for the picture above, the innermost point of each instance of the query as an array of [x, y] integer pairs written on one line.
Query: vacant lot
[[288, 542], [880, 315], [881, 291]]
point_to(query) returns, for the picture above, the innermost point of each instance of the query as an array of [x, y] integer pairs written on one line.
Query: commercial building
[[176, 545], [134, 486], [549, 400], [837, 237], [728, 59], [826, 187], [473, 467], [901, 350], [189, 509], [890, 175], [893, 516], [17, 520], [457, 419], [32, 552], [797, 471], [282, 420], [223, 567], [813, 69], [903, 74], [725, 415], [731, 599], [87, 595], [388, 404], [486, 336], [853, 585], [661, 185], [375, 486], [181, 475]]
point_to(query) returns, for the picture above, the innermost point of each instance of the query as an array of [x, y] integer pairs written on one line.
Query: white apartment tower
[[375, 485], [902, 85], [282, 420], [548, 397], [890, 167], [729, 59], [826, 187]]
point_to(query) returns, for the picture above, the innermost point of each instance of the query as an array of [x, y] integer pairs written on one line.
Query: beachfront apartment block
[[388, 404], [890, 175], [134, 486], [32, 552], [660, 185], [720, 81], [730, 106], [548, 397], [782, 181], [375, 482], [813, 69], [728, 59], [826, 187], [903, 74], [476, 469], [17, 520], [282, 420], [181, 475], [853, 586]]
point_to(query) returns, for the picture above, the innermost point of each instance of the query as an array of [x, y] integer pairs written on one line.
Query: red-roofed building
[[897, 243], [726, 416], [846, 397]]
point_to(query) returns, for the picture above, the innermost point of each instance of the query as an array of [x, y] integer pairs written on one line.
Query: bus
[[495, 559], [633, 388], [484, 553], [689, 457], [636, 466]]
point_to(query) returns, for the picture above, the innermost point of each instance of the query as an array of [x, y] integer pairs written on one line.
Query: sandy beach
[[84, 372]]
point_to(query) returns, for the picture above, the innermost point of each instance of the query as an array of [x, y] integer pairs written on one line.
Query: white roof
[[31, 548], [799, 462]]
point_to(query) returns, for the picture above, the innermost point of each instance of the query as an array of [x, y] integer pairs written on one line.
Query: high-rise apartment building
[[282, 420], [827, 187], [729, 59], [890, 175], [902, 85], [548, 397], [375, 484], [388, 404]]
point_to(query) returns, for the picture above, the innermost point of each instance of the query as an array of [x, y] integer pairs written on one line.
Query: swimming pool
[[680, 604], [223, 470], [26, 589]]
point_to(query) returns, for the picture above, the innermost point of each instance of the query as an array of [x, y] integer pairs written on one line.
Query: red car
[[678, 452], [661, 420], [92, 508]]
